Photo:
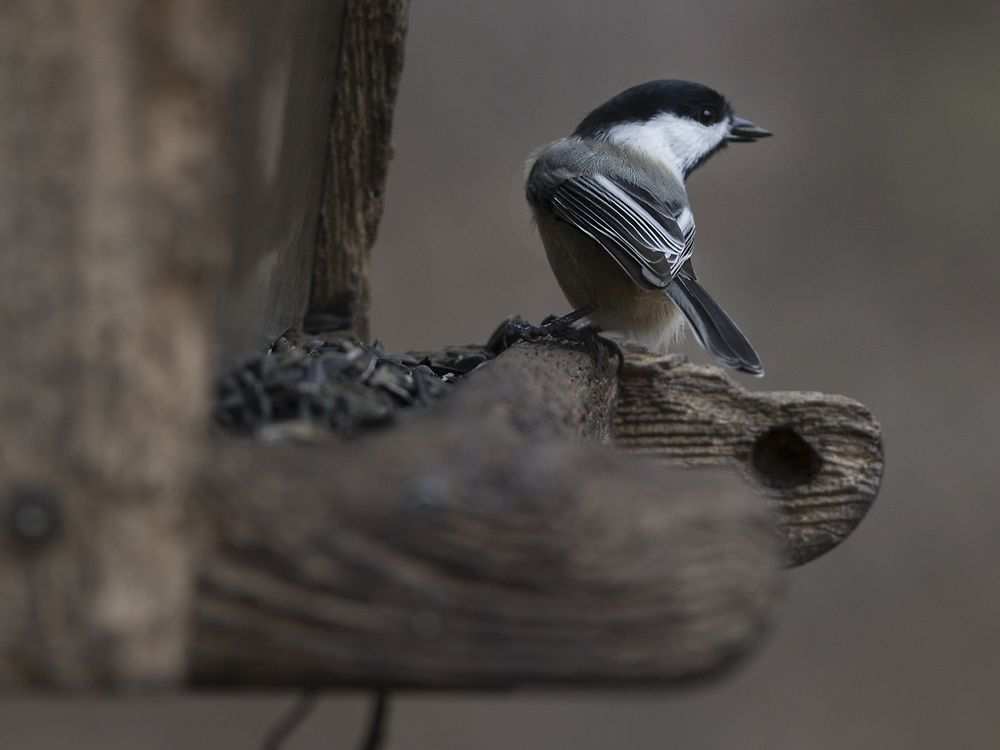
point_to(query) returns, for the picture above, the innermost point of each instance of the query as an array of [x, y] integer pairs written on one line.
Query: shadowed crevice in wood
[[783, 459]]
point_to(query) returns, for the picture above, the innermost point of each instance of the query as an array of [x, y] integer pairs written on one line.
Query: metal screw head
[[33, 515], [426, 492]]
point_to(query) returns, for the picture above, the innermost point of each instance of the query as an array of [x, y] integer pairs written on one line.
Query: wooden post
[[315, 122], [278, 138], [115, 236], [370, 64], [156, 154]]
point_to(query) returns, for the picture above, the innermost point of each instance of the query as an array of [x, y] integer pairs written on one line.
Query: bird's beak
[[741, 130]]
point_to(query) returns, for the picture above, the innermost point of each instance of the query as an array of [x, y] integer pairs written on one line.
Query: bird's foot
[[566, 329]]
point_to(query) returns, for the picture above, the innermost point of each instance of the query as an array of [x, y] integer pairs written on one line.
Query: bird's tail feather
[[715, 331]]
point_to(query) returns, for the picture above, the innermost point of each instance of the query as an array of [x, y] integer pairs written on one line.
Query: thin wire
[[378, 720], [298, 712], [289, 721]]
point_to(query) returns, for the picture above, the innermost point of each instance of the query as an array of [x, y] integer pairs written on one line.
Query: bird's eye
[[707, 116]]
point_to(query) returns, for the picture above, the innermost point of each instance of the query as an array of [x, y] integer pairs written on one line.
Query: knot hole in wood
[[783, 459]]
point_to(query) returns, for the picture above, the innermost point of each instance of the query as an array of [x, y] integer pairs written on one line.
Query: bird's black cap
[[647, 100]]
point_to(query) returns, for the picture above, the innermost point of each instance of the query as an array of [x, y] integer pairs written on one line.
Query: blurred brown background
[[857, 248]]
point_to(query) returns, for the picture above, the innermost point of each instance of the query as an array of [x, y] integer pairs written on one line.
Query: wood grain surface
[[488, 542], [817, 457]]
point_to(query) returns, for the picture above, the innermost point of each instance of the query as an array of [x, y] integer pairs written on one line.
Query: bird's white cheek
[[691, 140], [676, 142], [649, 138]]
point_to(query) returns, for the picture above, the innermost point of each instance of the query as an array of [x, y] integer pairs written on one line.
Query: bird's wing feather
[[713, 328], [645, 236]]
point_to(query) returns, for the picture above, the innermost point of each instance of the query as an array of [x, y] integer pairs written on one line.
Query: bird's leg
[[568, 320]]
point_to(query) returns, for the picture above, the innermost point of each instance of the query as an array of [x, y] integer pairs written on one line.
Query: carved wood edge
[[817, 457]]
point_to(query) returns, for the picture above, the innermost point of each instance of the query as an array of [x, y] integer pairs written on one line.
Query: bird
[[611, 206]]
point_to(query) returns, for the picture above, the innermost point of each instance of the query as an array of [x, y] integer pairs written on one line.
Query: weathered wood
[[477, 546], [280, 119], [818, 457], [113, 239], [370, 64]]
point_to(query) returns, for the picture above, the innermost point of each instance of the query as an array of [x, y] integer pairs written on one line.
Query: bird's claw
[[563, 329]]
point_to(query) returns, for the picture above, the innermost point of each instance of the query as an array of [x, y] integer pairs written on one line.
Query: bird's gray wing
[[650, 240]]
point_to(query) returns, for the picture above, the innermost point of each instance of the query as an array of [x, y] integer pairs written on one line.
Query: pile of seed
[[308, 386]]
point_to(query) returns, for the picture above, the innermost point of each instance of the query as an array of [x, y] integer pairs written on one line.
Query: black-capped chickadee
[[613, 214]]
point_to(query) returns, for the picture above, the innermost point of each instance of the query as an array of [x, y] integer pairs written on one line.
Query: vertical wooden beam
[[114, 236], [369, 68], [279, 140], [155, 152]]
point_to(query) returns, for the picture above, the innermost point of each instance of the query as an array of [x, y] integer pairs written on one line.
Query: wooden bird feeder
[[182, 182]]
